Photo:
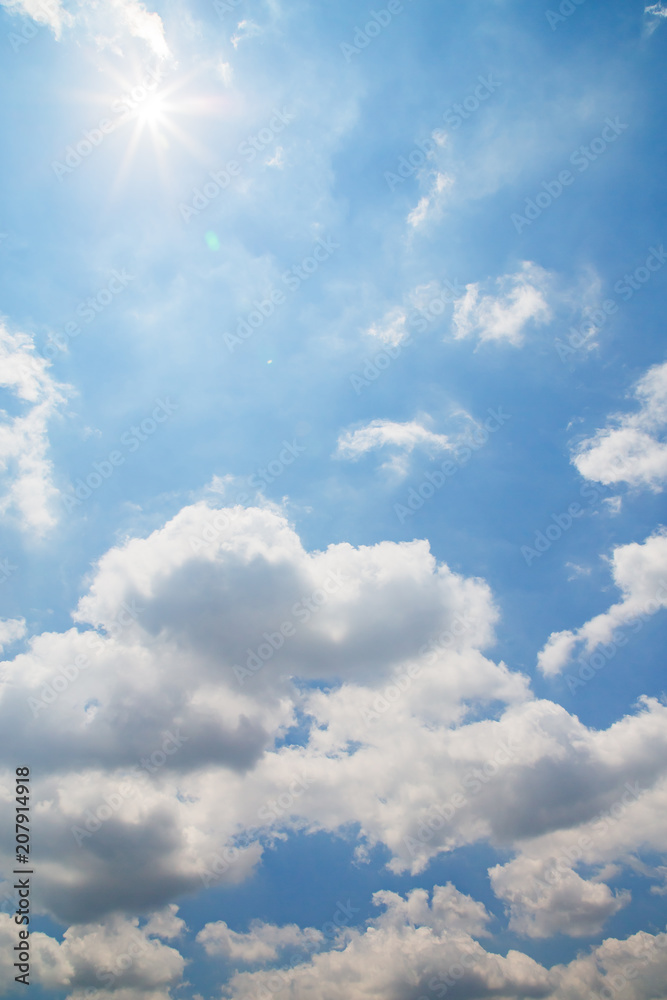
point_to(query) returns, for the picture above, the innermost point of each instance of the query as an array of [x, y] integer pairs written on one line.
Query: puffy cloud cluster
[[415, 947], [422, 944], [117, 958], [200, 636], [631, 449], [403, 438], [421, 947], [156, 733], [656, 11]]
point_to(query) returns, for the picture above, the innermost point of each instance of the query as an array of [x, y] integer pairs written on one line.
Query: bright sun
[[153, 112], [159, 111]]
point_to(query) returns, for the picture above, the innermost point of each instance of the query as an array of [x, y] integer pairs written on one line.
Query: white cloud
[[634, 969], [414, 941], [431, 205], [631, 449], [226, 72], [656, 11], [24, 442], [49, 12], [640, 573], [402, 437], [116, 956], [398, 747], [107, 23], [391, 330], [572, 905], [212, 588], [11, 629], [424, 944], [131, 17], [521, 300], [260, 945]]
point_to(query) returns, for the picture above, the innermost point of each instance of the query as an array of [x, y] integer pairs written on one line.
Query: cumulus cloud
[[571, 905], [631, 449], [108, 24], [639, 570], [262, 943], [634, 969], [29, 491], [424, 944], [417, 940], [131, 17], [185, 681], [156, 725], [521, 300], [117, 956]]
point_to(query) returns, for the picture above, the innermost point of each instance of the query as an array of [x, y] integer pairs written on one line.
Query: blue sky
[[346, 468]]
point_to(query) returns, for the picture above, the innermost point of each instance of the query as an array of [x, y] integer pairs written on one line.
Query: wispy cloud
[[521, 300], [392, 328], [108, 23], [402, 438]]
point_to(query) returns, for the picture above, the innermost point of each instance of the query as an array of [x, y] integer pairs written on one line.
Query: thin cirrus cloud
[[631, 449], [521, 301]]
